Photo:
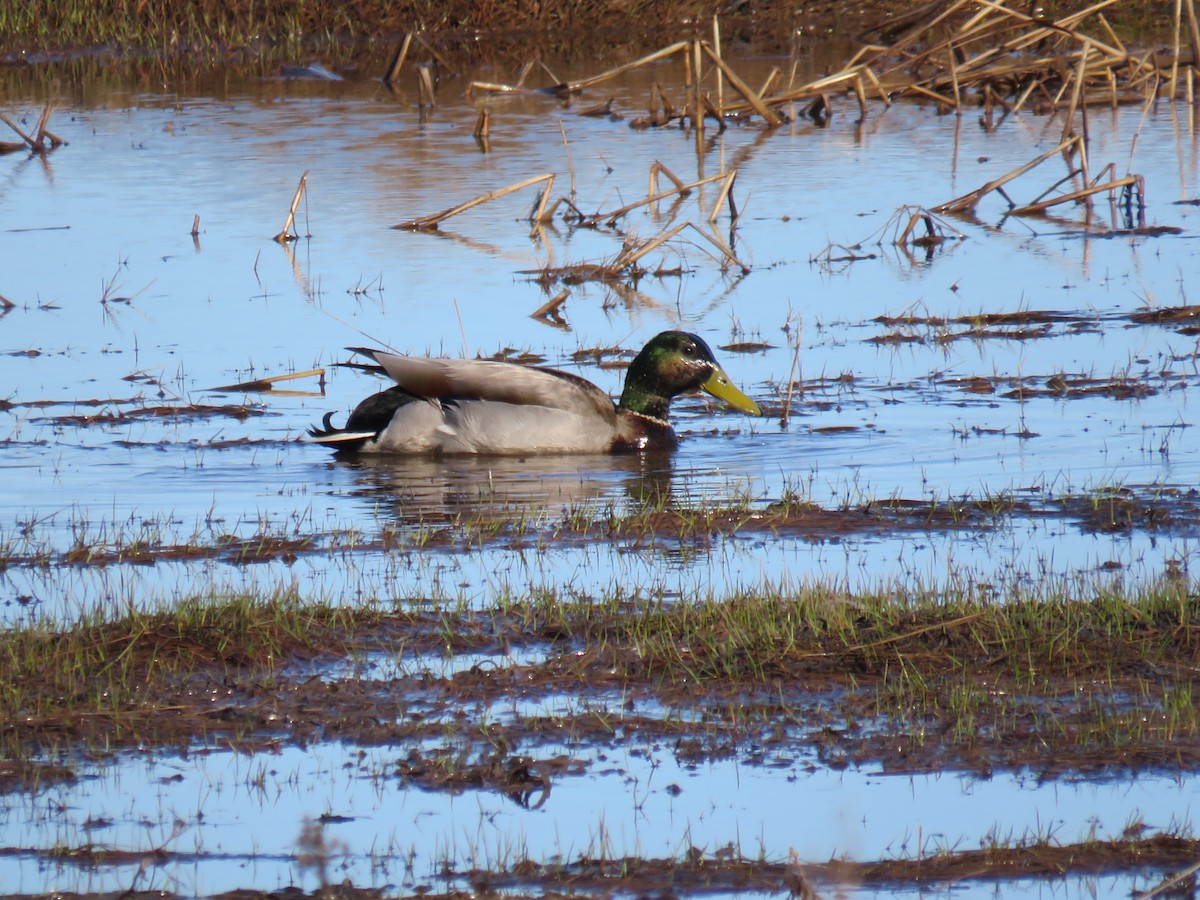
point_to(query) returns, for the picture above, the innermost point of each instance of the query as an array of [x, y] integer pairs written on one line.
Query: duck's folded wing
[[481, 379]]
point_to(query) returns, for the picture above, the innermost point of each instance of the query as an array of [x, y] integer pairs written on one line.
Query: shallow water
[[109, 215], [241, 816], [116, 302]]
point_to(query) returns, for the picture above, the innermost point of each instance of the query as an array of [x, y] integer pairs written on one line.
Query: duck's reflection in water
[[410, 490]]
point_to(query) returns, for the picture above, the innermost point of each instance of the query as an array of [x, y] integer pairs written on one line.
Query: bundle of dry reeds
[[959, 53]]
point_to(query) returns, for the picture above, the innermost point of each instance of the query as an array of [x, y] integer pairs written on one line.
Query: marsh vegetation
[[931, 620]]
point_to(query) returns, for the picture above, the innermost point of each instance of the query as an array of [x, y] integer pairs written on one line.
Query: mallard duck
[[458, 406]]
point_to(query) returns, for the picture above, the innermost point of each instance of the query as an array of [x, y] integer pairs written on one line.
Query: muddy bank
[[1099, 683]]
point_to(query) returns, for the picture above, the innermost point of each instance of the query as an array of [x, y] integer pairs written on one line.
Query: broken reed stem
[[196, 225], [576, 86], [1080, 75], [883, 94], [722, 196], [915, 34], [285, 235], [769, 83], [1194, 30], [567, 149], [1178, 20], [787, 400], [40, 132], [659, 169], [550, 307], [627, 259], [483, 125], [431, 222], [716, 28], [967, 202], [954, 76], [539, 216], [1034, 209], [1170, 882], [742, 88], [682, 191], [393, 71], [1062, 26], [425, 87], [26, 138], [727, 253], [264, 384]]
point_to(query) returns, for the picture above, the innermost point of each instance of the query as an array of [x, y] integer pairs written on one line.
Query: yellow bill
[[722, 388]]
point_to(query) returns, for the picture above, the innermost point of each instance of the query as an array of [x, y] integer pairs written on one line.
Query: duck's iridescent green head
[[674, 363]]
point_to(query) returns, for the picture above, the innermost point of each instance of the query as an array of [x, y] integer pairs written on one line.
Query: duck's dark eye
[[689, 349]]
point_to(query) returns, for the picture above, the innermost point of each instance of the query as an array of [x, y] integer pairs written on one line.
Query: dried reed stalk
[[265, 384], [285, 235], [539, 216], [430, 223], [967, 202], [1080, 77], [630, 255], [716, 45], [659, 169], [1034, 209], [494, 88], [576, 86], [1193, 31], [611, 217], [722, 196], [30, 142], [787, 400], [742, 88], [726, 252], [425, 87], [567, 149], [548, 312], [393, 70], [483, 125]]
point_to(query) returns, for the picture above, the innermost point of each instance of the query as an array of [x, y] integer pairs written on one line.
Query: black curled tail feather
[[366, 422], [326, 430]]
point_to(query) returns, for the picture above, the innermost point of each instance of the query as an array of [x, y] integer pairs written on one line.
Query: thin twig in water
[[431, 222], [285, 235], [570, 165], [787, 400], [576, 86]]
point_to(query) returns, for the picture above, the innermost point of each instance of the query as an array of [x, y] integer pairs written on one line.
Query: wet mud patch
[[914, 685], [1091, 685]]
